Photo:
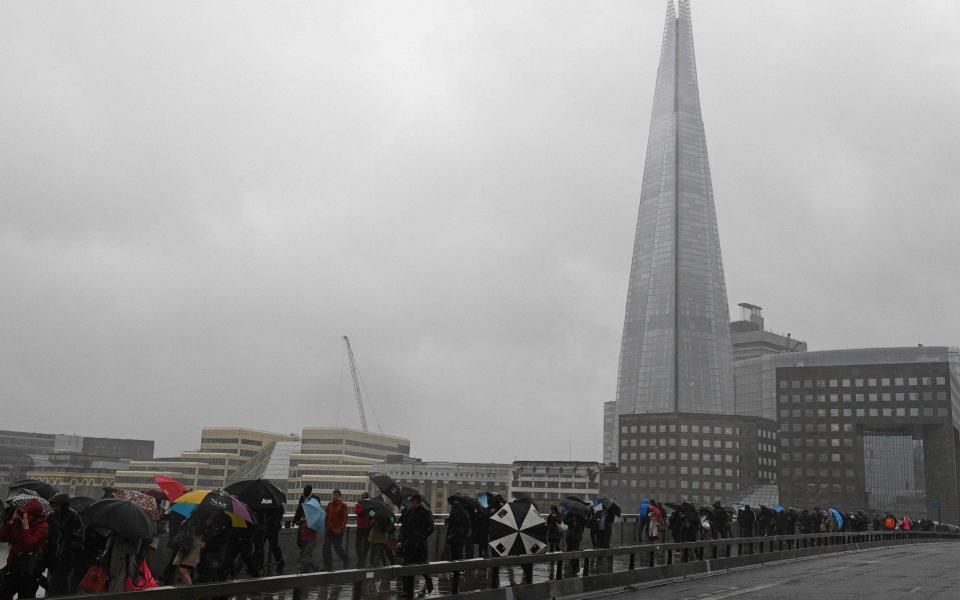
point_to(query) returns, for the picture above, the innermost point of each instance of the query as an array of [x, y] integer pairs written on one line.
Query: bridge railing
[[540, 576]]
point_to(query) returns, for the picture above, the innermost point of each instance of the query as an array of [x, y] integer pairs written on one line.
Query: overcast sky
[[197, 200]]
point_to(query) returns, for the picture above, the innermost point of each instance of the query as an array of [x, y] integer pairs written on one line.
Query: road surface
[[915, 572]]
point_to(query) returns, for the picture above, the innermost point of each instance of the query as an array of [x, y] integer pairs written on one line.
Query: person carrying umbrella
[[381, 531], [335, 528], [26, 532], [554, 529], [307, 493], [575, 526], [458, 530], [363, 531], [416, 525], [63, 548], [307, 535]]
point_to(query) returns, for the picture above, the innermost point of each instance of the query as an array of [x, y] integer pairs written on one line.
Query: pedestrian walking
[[382, 543], [575, 528], [307, 492], [458, 531], [416, 526], [307, 543], [64, 547], [363, 532], [335, 526], [270, 523], [554, 529], [26, 531]]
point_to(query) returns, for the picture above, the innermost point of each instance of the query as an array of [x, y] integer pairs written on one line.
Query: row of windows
[[575, 485], [684, 484], [247, 442], [684, 470], [817, 443], [395, 449], [695, 442], [810, 413], [926, 396], [716, 430], [809, 457], [219, 441], [859, 382], [694, 456]]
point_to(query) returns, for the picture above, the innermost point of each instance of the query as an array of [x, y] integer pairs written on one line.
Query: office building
[[72, 460], [222, 451], [438, 480], [698, 456], [751, 339], [676, 354], [546, 482], [873, 437]]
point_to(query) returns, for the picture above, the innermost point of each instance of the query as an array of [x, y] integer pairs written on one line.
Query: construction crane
[[356, 383]]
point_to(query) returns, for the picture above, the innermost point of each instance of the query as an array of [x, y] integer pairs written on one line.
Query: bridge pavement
[[912, 572]]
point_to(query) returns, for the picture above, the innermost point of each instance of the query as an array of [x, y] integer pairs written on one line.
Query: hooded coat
[[23, 541]]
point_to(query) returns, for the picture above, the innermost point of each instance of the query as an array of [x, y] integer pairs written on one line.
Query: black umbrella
[[377, 510], [258, 494], [608, 505], [518, 528], [465, 501], [40, 488], [409, 492], [122, 517], [80, 503], [575, 506], [389, 488]]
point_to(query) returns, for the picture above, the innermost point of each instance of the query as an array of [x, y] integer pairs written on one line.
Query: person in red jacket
[[336, 527], [26, 532], [363, 532]]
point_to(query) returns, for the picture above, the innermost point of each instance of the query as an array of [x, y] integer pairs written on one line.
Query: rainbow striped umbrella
[[217, 500]]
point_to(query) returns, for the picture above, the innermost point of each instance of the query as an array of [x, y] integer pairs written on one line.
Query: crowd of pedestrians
[[52, 547]]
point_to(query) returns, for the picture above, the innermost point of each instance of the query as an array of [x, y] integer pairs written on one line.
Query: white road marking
[[916, 589]]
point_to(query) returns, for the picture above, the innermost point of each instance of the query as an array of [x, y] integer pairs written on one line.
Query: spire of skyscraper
[[676, 355]]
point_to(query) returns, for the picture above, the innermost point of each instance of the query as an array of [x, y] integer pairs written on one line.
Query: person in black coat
[[575, 528], [458, 530], [746, 520], [64, 548], [416, 525]]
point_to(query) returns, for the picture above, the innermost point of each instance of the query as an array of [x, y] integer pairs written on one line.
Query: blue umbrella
[[314, 514], [644, 507], [837, 517], [777, 508], [484, 501]]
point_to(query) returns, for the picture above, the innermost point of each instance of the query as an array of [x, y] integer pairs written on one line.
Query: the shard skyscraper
[[676, 354]]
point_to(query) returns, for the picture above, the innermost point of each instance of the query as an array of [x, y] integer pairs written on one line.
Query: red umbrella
[[173, 488]]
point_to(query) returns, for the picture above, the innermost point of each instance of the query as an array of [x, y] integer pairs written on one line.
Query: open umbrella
[[389, 488], [465, 501], [40, 488], [258, 495], [377, 510], [173, 488], [122, 517], [206, 500], [518, 528], [575, 506], [409, 492], [20, 500], [837, 517], [607, 504], [314, 514], [80, 503], [147, 503]]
